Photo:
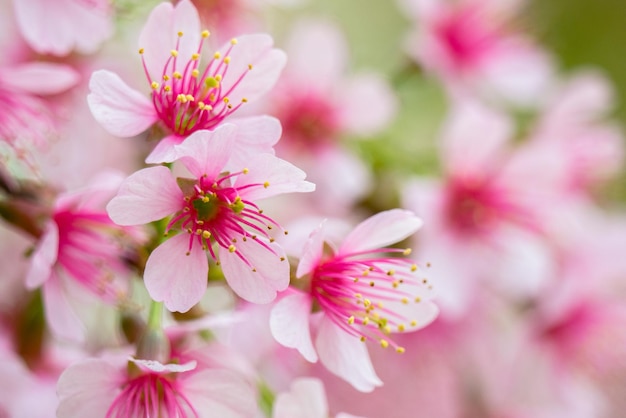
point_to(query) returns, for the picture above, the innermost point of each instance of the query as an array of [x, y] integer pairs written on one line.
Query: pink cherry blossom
[[79, 256], [363, 291], [145, 388], [211, 208], [59, 27], [26, 120], [186, 96], [468, 45]]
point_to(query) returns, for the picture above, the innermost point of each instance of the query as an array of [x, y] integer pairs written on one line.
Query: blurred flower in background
[[469, 208]]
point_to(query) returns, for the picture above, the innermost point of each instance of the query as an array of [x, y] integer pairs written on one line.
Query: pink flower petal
[[61, 318], [380, 230], [87, 389], [317, 53], [165, 150], [207, 152], [159, 35], [260, 286], [175, 278], [346, 356], [281, 176], [58, 27], [255, 135], [147, 195], [289, 323], [368, 104], [306, 399], [41, 78], [220, 393], [122, 111], [312, 252], [44, 257], [267, 64]]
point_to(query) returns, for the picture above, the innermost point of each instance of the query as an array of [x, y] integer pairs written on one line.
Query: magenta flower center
[[194, 98], [367, 295], [214, 212], [151, 395]]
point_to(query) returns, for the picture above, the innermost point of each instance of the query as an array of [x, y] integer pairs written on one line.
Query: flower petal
[[289, 323], [255, 135], [122, 111], [147, 195], [380, 230], [306, 399], [312, 252], [159, 36], [87, 388], [271, 273], [61, 318], [279, 175], [177, 275], [41, 78], [205, 153], [44, 257], [346, 356], [165, 150], [267, 63], [155, 366]]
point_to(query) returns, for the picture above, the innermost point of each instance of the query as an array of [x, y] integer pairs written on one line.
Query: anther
[[401, 327], [413, 267], [205, 33], [413, 323], [174, 53], [245, 171], [391, 272], [249, 66], [384, 343], [217, 55], [177, 75], [233, 41], [195, 56], [180, 34], [351, 320], [407, 251], [141, 50], [227, 60], [195, 73], [400, 350], [266, 184], [232, 249], [405, 300], [206, 234], [155, 85]]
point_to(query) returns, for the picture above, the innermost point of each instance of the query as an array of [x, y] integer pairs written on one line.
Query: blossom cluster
[[198, 220]]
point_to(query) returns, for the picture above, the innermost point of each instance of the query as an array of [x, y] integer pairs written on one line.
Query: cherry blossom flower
[[26, 120], [468, 45], [99, 388], [186, 95], [363, 293], [306, 399], [59, 27], [80, 256], [318, 103], [211, 208]]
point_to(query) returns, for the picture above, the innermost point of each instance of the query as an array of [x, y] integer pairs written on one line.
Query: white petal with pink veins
[[147, 195], [368, 104], [346, 356], [289, 323], [207, 152], [175, 278], [88, 388], [219, 393], [44, 257], [380, 230], [159, 36], [267, 64], [278, 175], [120, 110], [41, 78], [271, 275]]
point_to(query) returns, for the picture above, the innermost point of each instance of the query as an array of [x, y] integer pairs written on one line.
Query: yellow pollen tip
[[227, 60], [249, 66], [366, 320], [281, 258], [391, 272], [387, 329], [217, 55], [205, 33], [395, 284], [404, 300], [167, 88], [166, 77], [418, 299], [205, 199], [180, 33], [155, 85], [266, 184], [233, 41], [195, 73], [407, 251], [177, 75], [372, 284], [244, 100], [413, 267], [232, 248], [218, 77], [367, 302], [384, 343], [195, 56], [201, 105], [357, 295], [190, 98], [362, 339], [174, 53], [226, 99], [245, 171], [400, 350], [401, 327], [351, 320], [206, 234], [141, 50], [414, 323], [198, 231]]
